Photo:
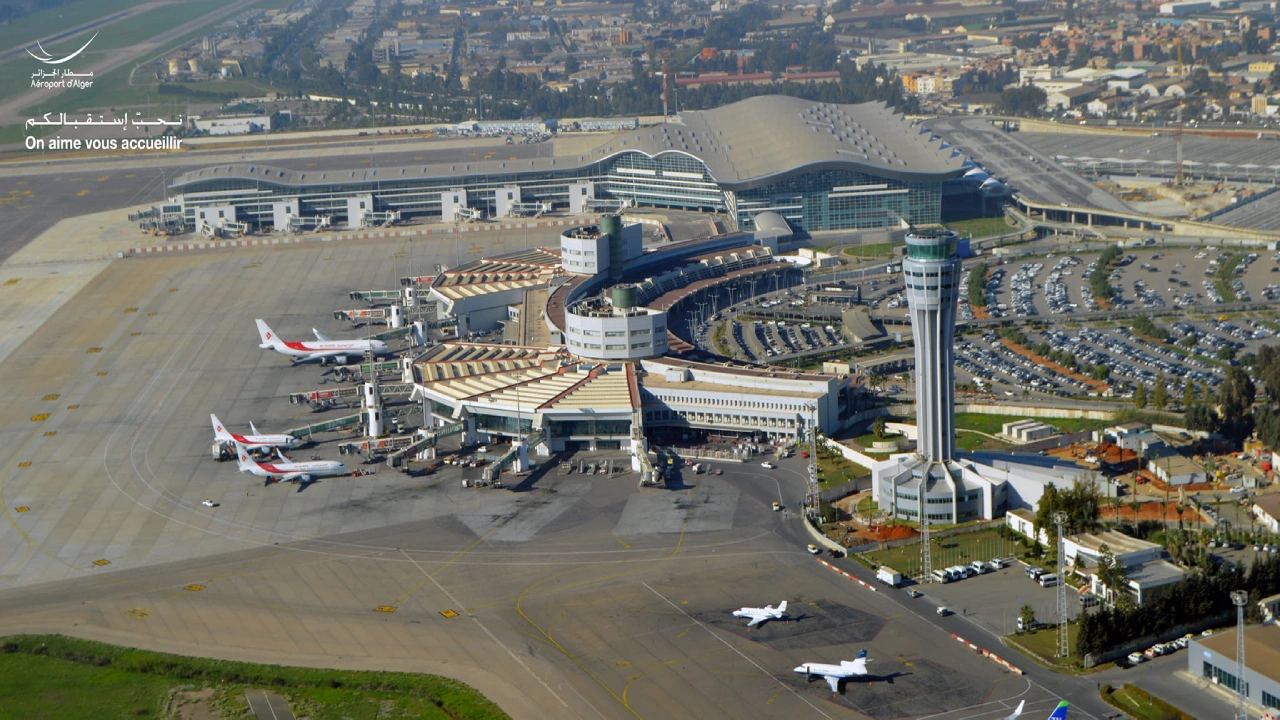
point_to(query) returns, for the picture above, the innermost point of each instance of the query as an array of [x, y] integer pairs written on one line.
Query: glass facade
[[826, 199], [842, 200], [941, 251]]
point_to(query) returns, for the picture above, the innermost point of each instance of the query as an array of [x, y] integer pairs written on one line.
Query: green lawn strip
[[43, 23], [140, 27], [866, 439], [1043, 643], [870, 250], [955, 550], [835, 470], [1226, 271], [980, 227], [994, 424], [56, 670], [1138, 703]]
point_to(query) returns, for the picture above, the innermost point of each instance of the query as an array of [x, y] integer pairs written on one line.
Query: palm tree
[[879, 427]]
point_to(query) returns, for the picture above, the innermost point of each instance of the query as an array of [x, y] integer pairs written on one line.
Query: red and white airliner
[[323, 350], [256, 441], [286, 471]]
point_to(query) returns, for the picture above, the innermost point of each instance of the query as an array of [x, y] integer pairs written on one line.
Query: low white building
[[1266, 508], [234, 125]]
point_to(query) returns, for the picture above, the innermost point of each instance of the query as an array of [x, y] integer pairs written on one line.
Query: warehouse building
[[1214, 659]]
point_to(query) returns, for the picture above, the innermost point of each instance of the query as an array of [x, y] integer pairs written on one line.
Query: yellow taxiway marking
[[82, 193], [103, 562], [49, 397], [12, 281], [131, 310], [775, 697], [73, 407], [194, 588], [130, 176], [449, 613], [39, 417], [138, 612], [22, 508], [385, 608], [102, 178], [25, 463], [102, 374], [622, 543], [94, 350], [51, 433]]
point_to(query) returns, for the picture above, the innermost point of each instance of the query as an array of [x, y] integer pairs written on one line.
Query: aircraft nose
[[802, 668]]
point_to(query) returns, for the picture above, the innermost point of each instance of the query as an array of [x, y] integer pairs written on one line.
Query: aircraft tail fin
[[219, 432], [1018, 712], [253, 429], [1060, 713], [862, 655], [242, 456], [320, 336], [269, 339], [782, 607]]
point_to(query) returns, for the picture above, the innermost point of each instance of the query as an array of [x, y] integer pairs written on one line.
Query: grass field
[[1044, 642], [973, 441], [955, 550], [980, 227], [834, 470], [870, 250], [993, 424], [55, 676], [30, 27], [138, 28], [1140, 704], [866, 439]]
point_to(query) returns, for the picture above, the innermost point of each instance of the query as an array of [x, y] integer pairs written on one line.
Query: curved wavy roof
[[742, 145]]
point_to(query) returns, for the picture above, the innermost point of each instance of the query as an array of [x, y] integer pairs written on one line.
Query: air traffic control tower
[[931, 274]]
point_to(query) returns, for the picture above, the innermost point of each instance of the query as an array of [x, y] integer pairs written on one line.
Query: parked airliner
[[760, 615], [256, 441], [323, 350], [286, 471]]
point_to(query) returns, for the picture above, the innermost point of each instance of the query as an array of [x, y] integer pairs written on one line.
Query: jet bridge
[[344, 394], [426, 439], [518, 453]]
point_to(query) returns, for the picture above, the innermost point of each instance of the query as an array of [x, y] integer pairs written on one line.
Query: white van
[[1048, 580], [941, 576]]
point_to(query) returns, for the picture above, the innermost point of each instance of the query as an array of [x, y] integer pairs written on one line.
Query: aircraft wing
[[298, 476], [756, 620], [834, 682], [322, 356], [319, 335]]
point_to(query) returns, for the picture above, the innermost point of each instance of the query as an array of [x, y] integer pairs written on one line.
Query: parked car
[[1137, 658], [767, 465], [944, 611], [813, 549]]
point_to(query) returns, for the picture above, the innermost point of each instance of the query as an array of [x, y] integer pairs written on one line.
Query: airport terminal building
[[596, 360], [821, 166]]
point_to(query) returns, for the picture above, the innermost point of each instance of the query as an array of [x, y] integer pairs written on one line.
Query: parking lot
[[994, 600]]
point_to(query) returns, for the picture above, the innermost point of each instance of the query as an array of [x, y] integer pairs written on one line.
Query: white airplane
[[1060, 712], [759, 615], [256, 441], [288, 471], [1017, 713], [833, 674], [323, 350]]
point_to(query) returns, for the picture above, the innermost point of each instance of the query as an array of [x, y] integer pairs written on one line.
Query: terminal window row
[[729, 403], [1225, 678]]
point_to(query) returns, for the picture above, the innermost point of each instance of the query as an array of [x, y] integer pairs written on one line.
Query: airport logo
[[48, 59]]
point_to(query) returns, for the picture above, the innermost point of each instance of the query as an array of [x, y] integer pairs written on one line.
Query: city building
[[1025, 431], [1178, 470], [820, 166], [1214, 658]]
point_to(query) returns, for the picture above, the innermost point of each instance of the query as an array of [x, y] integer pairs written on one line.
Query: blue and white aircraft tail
[[1060, 712]]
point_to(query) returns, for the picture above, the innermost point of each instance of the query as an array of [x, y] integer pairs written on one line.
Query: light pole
[[1240, 598], [1060, 519]]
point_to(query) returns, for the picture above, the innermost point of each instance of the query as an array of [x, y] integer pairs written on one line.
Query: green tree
[[879, 427], [1028, 616], [1160, 394], [1140, 396], [1226, 353], [1188, 395], [571, 65], [1235, 398], [1023, 100]]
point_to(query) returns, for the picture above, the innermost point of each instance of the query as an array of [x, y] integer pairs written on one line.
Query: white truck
[[889, 576]]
